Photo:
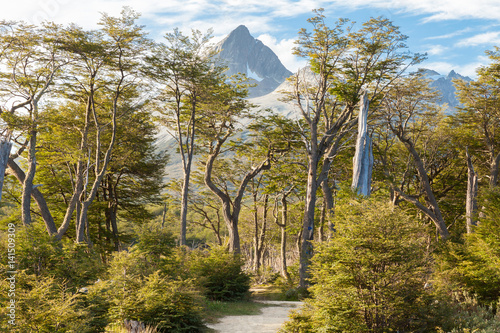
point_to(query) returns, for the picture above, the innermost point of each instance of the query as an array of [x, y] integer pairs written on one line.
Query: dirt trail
[[268, 321]]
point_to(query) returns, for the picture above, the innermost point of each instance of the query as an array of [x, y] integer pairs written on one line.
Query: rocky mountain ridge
[[242, 53], [444, 84]]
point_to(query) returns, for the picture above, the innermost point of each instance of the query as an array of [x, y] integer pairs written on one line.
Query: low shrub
[[220, 273], [42, 304], [156, 300]]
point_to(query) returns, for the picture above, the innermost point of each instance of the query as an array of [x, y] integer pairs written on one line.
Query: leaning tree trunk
[[433, 212], [5, 146], [471, 201], [231, 209], [363, 157], [37, 196]]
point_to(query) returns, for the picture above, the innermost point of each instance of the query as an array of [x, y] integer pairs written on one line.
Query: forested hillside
[[369, 199]]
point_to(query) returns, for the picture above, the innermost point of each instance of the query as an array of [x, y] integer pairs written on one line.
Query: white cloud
[[450, 35], [262, 17], [492, 37], [183, 12], [433, 50], [448, 9], [283, 50]]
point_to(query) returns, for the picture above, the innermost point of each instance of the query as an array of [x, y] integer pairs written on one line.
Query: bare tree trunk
[[256, 252], [112, 211], [184, 206], [259, 235], [37, 196], [471, 201], [322, 219], [363, 157], [5, 147], [329, 206], [187, 161], [28, 181], [231, 209], [283, 225], [434, 213], [306, 251]]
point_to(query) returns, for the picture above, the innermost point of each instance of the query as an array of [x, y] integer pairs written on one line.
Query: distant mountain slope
[[242, 53], [444, 84]]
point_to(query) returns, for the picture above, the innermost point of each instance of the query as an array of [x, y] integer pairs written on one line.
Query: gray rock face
[[242, 53], [444, 84]]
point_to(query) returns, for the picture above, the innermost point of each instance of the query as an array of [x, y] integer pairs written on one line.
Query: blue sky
[[454, 33]]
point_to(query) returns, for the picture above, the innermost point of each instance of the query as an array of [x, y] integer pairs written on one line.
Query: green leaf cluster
[[370, 276]]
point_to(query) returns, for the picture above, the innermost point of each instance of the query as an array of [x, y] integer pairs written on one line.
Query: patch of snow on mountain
[[253, 75]]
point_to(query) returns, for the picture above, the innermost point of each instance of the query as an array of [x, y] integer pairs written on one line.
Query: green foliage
[[42, 304], [220, 274], [172, 306], [370, 277], [474, 265], [154, 240], [41, 255], [469, 316], [143, 285]]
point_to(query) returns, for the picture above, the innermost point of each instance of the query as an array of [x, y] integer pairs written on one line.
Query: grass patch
[[218, 309], [268, 292]]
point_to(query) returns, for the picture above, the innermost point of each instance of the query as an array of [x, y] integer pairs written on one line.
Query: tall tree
[[480, 114], [181, 67], [32, 59], [410, 112], [110, 60], [344, 63], [225, 106]]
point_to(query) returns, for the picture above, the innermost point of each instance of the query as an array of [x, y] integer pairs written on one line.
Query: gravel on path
[[269, 321]]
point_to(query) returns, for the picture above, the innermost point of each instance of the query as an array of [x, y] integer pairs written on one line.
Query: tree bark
[[284, 221], [434, 213], [306, 251], [37, 196], [283, 225], [494, 170], [5, 147], [231, 209], [471, 200], [260, 233], [28, 180]]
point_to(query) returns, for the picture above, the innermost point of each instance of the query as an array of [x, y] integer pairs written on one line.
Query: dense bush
[[220, 274], [140, 285], [474, 264], [168, 305], [370, 277], [41, 255], [467, 315], [43, 304]]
